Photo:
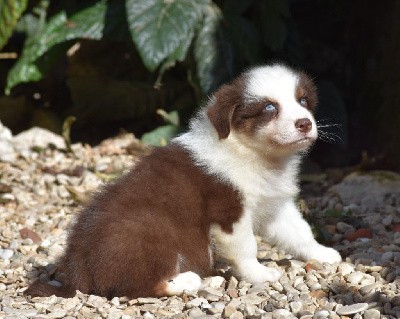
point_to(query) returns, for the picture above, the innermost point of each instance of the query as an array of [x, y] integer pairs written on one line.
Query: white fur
[[186, 281], [268, 191]]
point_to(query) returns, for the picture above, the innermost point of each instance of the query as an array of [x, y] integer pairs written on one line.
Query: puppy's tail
[[40, 289]]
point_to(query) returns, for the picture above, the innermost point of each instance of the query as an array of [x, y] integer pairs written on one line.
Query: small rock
[[321, 314], [360, 233], [352, 309], [232, 284], [196, 302], [29, 233], [295, 306], [37, 136], [282, 312], [367, 288], [216, 281], [148, 301], [372, 314], [195, 312], [395, 301], [387, 220], [228, 311], [6, 254], [345, 268], [211, 294], [387, 256], [236, 315], [252, 299], [355, 277], [343, 227]]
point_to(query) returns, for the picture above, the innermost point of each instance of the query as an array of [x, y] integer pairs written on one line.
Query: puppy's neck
[[220, 156]]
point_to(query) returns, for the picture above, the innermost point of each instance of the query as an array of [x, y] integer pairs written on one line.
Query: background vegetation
[[112, 64]]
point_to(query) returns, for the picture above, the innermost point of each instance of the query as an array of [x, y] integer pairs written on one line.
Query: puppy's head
[[267, 109]]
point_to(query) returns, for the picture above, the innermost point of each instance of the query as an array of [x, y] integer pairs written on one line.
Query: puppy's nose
[[303, 125]]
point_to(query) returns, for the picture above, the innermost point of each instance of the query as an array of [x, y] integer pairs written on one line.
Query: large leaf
[[10, 12], [87, 24], [212, 51], [162, 30]]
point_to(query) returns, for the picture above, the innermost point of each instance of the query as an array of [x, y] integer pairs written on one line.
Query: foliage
[[10, 12], [220, 38], [211, 40], [161, 135]]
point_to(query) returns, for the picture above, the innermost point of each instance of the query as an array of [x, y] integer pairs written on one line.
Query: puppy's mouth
[[302, 141]]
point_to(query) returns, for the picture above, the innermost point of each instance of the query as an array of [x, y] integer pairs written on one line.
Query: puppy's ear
[[226, 100]]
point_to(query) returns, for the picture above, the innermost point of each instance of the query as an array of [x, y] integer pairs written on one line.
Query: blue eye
[[303, 102], [270, 107]]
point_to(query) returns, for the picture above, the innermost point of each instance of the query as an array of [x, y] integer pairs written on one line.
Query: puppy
[[232, 175]]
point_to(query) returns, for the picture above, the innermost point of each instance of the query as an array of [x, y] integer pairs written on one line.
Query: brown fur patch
[[307, 89], [127, 241], [227, 99]]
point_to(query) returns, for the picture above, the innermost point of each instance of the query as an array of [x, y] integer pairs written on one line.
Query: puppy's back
[[145, 228]]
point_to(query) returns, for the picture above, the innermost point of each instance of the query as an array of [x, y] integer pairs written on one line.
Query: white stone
[[37, 136], [345, 268], [352, 309], [6, 253], [321, 314], [355, 277]]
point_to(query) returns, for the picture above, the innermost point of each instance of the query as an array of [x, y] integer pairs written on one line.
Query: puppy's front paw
[[255, 273], [325, 254]]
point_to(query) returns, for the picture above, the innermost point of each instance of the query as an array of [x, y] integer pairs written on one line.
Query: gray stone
[[232, 284], [343, 227], [367, 288], [195, 312], [295, 306], [372, 314], [196, 302], [321, 314], [352, 309], [345, 268], [211, 294], [368, 191]]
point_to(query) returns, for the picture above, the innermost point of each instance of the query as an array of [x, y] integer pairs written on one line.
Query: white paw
[[255, 272], [325, 254], [187, 281]]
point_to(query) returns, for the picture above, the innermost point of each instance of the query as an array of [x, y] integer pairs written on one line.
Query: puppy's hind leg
[[186, 281]]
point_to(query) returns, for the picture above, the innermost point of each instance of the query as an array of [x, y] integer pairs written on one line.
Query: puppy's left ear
[[221, 111]]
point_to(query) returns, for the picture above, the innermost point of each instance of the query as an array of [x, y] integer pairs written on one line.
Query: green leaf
[[170, 118], [10, 12], [162, 30], [161, 135], [212, 51], [87, 24]]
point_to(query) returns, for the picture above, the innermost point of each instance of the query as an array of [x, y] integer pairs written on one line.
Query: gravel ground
[[42, 188]]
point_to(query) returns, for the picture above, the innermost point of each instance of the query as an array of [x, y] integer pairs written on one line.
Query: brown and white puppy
[[231, 176]]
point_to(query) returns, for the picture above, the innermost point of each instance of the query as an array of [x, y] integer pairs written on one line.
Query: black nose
[[303, 125]]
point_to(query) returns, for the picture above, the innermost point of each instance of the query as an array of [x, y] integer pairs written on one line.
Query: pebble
[[228, 311], [355, 277], [372, 314], [345, 268], [321, 314], [39, 206], [352, 309], [6, 254]]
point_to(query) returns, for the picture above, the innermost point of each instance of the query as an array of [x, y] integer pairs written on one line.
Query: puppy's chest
[[264, 193]]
